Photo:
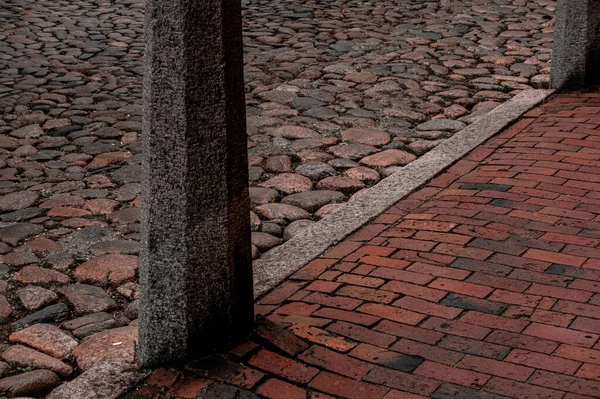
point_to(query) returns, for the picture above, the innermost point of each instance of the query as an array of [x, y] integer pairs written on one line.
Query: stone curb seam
[[281, 262]]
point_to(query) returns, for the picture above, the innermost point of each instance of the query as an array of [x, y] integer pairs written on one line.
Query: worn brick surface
[[483, 284]]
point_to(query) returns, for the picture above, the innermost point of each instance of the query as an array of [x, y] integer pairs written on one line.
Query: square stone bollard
[[196, 266], [576, 50]]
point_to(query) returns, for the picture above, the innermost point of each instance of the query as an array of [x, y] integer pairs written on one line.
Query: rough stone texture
[[19, 258], [315, 170], [388, 74], [366, 136], [344, 184], [281, 211], [47, 338], [105, 381], [112, 268], [352, 151], [117, 246], [5, 308], [52, 313], [259, 195], [313, 200], [366, 175], [17, 232], [196, 272], [71, 73], [36, 275], [88, 298], [296, 227], [441, 124], [576, 50], [132, 310], [33, 297], [17, 200], [4, 367], [255, 222], [116, 345], [278, 164], [388, 158], [28, 132], [87, 320], [31, 383], [264, 241], [289, 183], [420, 147], [26, 357]]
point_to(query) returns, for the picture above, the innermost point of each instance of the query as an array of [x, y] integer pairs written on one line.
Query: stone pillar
[[576, 51], [196, 267]]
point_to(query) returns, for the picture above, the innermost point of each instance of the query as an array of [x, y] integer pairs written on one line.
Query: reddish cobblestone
[[483, 284]]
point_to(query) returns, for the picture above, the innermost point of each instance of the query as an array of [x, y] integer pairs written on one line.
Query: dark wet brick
[[576, 272], [485, 186], [470, 303]]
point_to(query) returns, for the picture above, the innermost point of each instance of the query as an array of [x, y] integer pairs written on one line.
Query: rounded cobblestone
[[338, 94]]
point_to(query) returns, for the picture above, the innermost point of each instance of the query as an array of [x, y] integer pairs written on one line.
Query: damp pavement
[[483, 284], [339, 95]]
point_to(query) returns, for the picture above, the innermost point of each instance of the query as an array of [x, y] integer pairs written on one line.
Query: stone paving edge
[[281, 262]]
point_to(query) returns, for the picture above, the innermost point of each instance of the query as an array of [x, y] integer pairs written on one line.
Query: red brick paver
[[483, 284]]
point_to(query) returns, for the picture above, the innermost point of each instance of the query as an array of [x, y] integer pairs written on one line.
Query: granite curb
[[279, 263]]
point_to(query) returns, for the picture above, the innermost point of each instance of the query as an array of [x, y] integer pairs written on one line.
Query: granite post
[[576, 50], [196, 266]]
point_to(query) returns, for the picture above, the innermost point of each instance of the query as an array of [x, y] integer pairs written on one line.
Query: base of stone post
[[196, 291], [576, 50]]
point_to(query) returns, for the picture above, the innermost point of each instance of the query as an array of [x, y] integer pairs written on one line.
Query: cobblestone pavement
[[339, 94], [484, 284]]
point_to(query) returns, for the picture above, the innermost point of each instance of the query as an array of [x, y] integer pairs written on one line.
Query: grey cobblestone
[[70, 94]]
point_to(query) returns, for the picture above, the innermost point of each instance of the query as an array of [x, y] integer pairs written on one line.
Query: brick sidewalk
[[483, 284]]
